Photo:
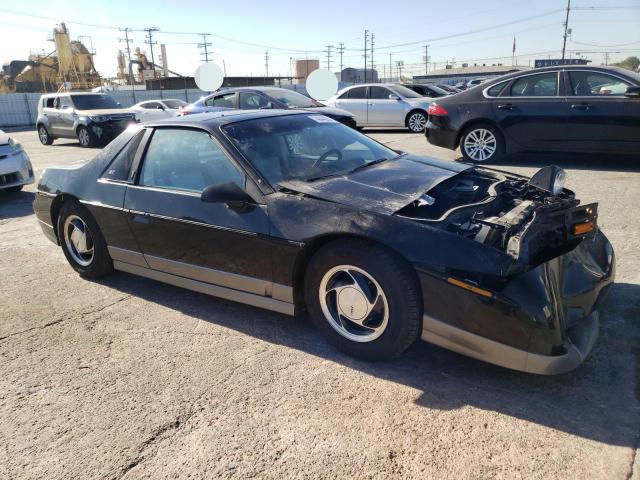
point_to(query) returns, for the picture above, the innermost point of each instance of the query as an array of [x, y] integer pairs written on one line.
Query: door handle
[[371, 104], [581, 106], [140, 218], [505, 106]]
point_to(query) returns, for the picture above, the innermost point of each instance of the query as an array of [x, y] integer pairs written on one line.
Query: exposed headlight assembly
[[550, 178]]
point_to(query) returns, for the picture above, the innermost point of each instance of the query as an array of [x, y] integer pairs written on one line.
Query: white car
[[383, 105], [157, 109], [15, 167]]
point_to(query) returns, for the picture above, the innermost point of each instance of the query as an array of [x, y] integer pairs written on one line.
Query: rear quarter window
[[122, 150], [497, 89]]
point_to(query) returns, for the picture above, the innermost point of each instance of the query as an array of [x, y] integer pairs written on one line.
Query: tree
[[630, 63]]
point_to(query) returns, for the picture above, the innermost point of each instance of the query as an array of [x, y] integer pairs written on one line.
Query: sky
[[461, 31]]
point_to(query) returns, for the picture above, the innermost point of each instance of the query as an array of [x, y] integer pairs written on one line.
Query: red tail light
[[435, 109]]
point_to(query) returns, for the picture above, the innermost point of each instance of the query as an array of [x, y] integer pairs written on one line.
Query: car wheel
[[417, 121], [43, 135], [86, 138], [82, 241], [364, 298], [481, 143]]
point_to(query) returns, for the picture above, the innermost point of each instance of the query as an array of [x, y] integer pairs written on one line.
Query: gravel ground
[[131, 378]]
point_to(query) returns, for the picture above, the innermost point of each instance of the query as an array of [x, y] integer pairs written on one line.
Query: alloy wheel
[[480, 144], [417, 122], [78, 240], [83, 137], [43, 135], [353, 303]]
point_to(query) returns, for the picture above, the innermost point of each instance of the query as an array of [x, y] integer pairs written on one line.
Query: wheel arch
[[476, 121], [56, 206], [414, 110]]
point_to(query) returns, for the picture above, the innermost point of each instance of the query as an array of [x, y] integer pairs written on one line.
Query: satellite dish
[[209, 77], [322, 84]]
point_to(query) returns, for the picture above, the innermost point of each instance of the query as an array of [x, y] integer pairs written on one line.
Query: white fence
[[21, 109]]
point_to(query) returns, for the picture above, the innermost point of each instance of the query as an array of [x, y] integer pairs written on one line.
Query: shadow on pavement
[[16, 204], [596, 401]]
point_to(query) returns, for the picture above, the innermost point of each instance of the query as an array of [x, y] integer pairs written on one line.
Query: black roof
[[553, 68], [212, 120]]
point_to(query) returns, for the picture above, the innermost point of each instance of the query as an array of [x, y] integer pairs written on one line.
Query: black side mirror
[[228, 193], [632, 92], [159, 107]]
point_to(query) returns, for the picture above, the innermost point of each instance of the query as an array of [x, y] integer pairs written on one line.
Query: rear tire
[[364, 299], [86, 138], [82, 241], [44, 136], [482, 142], [416, 121]]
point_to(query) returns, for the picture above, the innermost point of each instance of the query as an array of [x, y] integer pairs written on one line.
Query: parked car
[[291, 210], [427, 90], [449, 88], [93, 118], [560, 109], [383, 105], [157, 109], [15, 167], [475, 81], [257, 98]]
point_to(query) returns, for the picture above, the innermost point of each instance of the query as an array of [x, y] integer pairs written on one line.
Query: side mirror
[[394, 97], [228, 193], [632, 92]]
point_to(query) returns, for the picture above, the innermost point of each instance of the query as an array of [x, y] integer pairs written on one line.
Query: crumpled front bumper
[[544, 321]]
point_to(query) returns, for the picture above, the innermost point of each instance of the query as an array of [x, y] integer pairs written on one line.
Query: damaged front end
[[508, 213]]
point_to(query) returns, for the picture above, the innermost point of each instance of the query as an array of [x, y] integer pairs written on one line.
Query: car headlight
[[99, 118], [16, 147], [558, 181], [549, 178]]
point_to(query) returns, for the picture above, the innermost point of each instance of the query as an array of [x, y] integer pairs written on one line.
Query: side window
[[355, 93], [189, 160], [226, 101], [65, 102], [252, 101], [120, 167], [584, 83], [151, 105], [379, 93], [496, 90], [540, 85], [49, 102]]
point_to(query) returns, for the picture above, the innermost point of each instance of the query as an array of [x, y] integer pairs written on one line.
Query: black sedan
[[253, 98], [554, 109], [427, 90], [290, 211]]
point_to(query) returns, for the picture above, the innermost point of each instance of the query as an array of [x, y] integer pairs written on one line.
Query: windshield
[[93, 102], [438, 90], [404, 91], [175, 103], [291, 99], [304, 147]]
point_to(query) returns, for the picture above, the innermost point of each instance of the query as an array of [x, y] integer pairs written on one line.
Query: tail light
[[438, 110]]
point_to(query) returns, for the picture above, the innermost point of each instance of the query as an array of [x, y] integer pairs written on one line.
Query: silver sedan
[[383, 105]]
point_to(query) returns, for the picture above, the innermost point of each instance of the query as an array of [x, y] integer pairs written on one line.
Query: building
[[453, 75], [304, 68], [357, 75]]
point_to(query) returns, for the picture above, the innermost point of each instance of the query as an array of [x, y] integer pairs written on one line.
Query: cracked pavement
[[130, 378]]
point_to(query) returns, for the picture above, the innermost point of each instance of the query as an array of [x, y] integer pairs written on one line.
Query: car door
[[354, 101], [51, 110], [179, 233], [383, 110], [66, 116], [226, 100], [600, 117], [152, 111], [531, 111]]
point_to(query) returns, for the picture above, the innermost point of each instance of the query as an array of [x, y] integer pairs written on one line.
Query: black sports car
[[293, 210], [571, 108]]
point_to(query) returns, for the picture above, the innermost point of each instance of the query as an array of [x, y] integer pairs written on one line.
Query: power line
[[204, 45]]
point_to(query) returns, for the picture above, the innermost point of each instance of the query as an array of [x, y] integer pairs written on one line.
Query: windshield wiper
[[373, 162], [321, 177]]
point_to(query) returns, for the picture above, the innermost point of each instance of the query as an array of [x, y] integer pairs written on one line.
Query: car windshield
[[404, 91], [304, 147], [93, 102], [175, 103], [292, 99], [438, 90]]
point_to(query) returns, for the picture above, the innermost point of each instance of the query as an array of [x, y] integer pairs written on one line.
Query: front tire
[[482, 143], [86, 138], [43, 135], [364, 298], [416, 121], [82, 241]]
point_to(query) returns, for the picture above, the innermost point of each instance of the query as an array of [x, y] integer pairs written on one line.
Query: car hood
[[384, 188], [104, 111], [329, 111], [4, 138]]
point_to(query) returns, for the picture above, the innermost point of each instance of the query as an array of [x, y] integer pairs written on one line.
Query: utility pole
[[128, 41], [205, 45], [373, 78], [400, 64], [149, 41], [426, 59], [341, 51], [329, 48], [390, 68], [366, 40], [266, 62], [566, 25]]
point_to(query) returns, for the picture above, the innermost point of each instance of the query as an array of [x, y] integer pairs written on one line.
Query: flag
[[514, 45]]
